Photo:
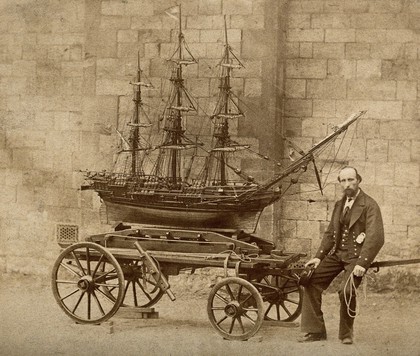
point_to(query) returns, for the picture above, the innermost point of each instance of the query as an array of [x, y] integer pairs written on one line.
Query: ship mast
[[178, 81], [226, 109], [224, 135], [135, 137], [135, 123], [179, 103]]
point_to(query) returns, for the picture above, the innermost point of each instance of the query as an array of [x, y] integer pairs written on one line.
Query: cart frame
[[130, 266]]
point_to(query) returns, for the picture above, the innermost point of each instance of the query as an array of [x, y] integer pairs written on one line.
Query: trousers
[[312, 319]]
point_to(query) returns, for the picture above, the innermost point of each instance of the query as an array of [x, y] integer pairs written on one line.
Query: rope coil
[[352, 293]]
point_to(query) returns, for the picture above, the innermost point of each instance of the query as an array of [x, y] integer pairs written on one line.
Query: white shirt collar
[[349, 203]]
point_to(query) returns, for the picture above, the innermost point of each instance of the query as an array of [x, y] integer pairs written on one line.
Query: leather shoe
[[310, 337], [347, 341]]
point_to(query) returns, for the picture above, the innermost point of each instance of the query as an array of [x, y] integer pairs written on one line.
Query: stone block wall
[[344, 56], [64, 73], [65, 68]]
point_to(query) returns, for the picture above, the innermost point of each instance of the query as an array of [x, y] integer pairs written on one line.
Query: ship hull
[[182, 217], [230, 207]]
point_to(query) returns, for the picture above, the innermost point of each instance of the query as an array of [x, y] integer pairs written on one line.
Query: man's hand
[[359, 271], [313, 262]]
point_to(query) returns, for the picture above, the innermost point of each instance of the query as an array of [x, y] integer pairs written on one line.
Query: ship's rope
[[244, 104], [351, 287]]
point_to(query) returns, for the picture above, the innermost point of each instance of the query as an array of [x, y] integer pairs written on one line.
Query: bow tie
[[347, 206]]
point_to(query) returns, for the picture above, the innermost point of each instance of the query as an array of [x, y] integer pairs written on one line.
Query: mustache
[[349, 191]]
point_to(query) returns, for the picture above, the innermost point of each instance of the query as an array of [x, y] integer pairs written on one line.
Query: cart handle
[[157, 274]]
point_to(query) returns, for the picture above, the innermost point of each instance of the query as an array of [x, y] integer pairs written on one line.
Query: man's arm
[[374, 236], [328, 239]]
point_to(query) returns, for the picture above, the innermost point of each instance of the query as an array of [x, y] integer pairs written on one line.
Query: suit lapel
[[337, 215], [357, 208]]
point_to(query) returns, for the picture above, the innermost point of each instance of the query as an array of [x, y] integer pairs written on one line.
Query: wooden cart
[[131, 266]]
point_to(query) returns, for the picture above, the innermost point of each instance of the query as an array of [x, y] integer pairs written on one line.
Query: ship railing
[[217, 184], [100, 186], [152, 182], [141, 182], [118, 179]]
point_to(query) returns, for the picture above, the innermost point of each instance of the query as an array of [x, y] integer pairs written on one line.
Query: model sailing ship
[[166, 193]]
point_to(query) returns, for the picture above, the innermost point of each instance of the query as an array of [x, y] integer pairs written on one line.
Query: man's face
[[349, 182]]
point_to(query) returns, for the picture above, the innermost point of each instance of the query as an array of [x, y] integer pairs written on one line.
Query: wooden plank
[[164, 244], [137, 313], [188, 237], [199, 260]]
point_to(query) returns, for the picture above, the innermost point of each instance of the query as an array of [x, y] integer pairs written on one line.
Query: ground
[[33, 324]]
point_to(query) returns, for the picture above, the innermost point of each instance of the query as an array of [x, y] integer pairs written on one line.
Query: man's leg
[[347, 295], [312, 320]]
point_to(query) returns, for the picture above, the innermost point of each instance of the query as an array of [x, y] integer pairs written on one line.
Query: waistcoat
[[345, 242]]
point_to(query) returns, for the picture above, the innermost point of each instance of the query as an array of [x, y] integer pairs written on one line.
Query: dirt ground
[[33, 324]]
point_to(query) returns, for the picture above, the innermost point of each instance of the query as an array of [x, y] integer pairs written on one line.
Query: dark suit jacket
[[365, 218]]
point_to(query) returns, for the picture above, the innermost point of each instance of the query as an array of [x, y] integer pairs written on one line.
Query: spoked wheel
[[141, 289], [282, 297], [235, 309], [79, 275]]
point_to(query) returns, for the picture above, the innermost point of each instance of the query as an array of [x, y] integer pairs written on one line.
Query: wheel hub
[[276, 297], [85, 283], [233, 309]]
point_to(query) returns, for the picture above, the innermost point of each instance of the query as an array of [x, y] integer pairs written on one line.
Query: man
[[353, 239]]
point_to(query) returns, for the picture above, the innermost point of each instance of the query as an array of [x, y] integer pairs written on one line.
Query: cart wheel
[[79, 275], [282, 296], [141, 289], [235, 309]]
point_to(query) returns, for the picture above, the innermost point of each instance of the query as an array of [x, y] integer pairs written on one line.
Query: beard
[[349, 192]]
